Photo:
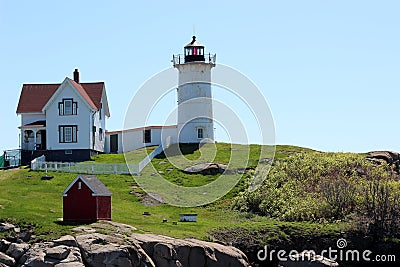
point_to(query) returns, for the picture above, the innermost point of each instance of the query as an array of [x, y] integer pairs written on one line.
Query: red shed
[[86, 199]]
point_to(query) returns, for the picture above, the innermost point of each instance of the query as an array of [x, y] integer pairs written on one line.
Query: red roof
[[40, 123], [35, 96]]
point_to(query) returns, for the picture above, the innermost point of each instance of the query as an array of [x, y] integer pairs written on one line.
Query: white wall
[[82, 120], [195, 101], [27, 118], [99, 123], [129, 140]]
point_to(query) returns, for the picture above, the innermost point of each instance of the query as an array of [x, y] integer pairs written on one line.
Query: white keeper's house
[[64, 122], [67, 121]]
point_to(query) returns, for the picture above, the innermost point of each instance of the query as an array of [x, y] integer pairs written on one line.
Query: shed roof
[[95, 185]]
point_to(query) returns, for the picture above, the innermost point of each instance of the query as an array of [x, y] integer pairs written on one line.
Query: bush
[[379, 213], [327, 186]]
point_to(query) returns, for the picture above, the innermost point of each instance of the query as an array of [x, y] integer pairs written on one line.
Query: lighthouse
[[195, 111]]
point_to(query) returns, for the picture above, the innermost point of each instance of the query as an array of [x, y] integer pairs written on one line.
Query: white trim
[[104, 100], [62, 86]]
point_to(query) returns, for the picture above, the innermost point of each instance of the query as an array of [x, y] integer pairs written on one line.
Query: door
[[114, 143]]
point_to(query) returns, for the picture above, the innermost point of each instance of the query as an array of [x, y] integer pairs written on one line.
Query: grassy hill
[[26, 199], [308, 196]]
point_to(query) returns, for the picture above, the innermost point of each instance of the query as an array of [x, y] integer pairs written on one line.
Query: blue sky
[[329, 69]]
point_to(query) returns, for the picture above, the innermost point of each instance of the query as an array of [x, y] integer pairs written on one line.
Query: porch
[[33, 136]]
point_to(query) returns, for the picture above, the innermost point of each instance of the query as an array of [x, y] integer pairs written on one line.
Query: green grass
[[134, 156], [26, 199]]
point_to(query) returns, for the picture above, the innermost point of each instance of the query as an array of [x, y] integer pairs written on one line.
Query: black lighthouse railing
[[180, 59]]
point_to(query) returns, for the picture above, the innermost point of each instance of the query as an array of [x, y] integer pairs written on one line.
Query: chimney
[[76, 76]]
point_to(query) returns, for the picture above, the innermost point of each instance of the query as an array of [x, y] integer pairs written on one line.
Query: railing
[[39, 164], [180, 59], [12, 158], [149, 157], [87, 168]]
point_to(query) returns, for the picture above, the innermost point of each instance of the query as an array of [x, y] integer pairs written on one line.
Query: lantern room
[[194, 51]]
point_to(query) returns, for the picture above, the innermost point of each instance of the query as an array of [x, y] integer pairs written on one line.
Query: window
[[100, 134], [200, 134], [101, 107], [80, 185], [147, 136], [68, 133], [68, 152], [67, 107]]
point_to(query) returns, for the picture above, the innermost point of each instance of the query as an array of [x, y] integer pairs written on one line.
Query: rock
[[84, 229], [4, 244], [206, 168], [73, 256], [48, 255], [7, 260], [99, 250], [17, 250], [36, 260], [25, 236], [67, 240], [58, 252], [308, 259], [390, 157], [167, 251], [122, 250], [6, 227]]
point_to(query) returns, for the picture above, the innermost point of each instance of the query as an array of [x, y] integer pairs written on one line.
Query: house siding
[[82, 120], [99, 124], [133, 139], [27, 118], [103, 208], [79, 205]]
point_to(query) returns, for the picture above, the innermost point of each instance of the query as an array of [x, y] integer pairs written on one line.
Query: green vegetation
[[326, 187], [133, 156], [306, 193]]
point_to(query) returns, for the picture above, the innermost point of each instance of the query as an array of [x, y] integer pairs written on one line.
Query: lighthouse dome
[[194, 51]]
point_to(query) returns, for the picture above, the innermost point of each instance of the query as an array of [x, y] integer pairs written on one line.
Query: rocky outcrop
[[390, 157], [121, 247], [206, 168], [166, 251]]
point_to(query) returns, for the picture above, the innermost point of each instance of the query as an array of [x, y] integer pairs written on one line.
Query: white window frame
[[72, 108], [68, 133]]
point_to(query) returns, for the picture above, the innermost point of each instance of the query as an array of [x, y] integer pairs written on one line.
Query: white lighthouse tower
[[195, 112]]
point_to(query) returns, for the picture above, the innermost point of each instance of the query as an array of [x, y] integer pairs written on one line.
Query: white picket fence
[[39, 164], [87, 168]]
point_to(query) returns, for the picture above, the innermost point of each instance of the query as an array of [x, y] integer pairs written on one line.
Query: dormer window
[[67, 107]]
